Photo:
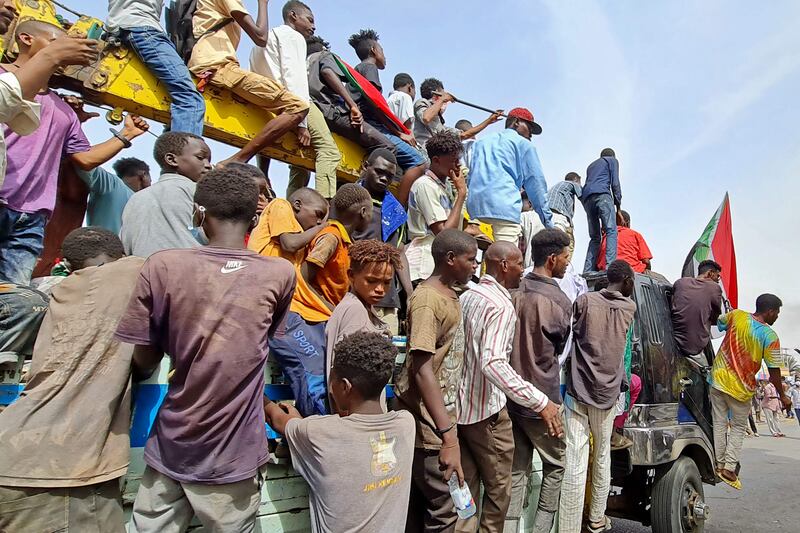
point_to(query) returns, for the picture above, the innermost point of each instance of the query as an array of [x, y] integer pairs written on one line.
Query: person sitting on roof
[[696, 306], [631, 246], [214, 58], [401, 99], [137, 24], [370, 52], [284, 60]]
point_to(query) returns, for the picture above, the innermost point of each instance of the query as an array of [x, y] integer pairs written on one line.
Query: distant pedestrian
[[772, 408], [794, 394]]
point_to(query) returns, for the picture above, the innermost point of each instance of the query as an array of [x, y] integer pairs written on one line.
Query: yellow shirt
[[219, 48]]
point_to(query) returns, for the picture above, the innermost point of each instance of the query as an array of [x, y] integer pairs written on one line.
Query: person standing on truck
[[214, 59], [284, 60], [501, 164], [137, 23], [601, 198], [631, 246], [207, 449], [65, 440], [696, 306], [748, 341], [600, 327], [544, 315], [561, 198]]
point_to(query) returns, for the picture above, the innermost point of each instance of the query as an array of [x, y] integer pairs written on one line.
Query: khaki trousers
[[503, 230], [164, 505], [326, 159], [530, 434], [91, 509], [487, 453], [728, 444]]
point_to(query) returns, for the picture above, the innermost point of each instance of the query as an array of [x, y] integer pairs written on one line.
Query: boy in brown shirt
[[428, 383], [214, 59]]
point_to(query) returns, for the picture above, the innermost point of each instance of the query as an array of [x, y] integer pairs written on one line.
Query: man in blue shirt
[[501, 164], [108, 194], [602, 197]]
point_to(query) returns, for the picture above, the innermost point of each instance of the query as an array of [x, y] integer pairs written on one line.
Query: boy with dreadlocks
[[324, 282], [372, 267], [370, 52], [367, 488]]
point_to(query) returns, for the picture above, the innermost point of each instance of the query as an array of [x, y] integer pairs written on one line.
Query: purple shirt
[[212, 310], [34, 160]]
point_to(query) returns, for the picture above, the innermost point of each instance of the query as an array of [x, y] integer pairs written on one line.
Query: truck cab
[[659, 480]]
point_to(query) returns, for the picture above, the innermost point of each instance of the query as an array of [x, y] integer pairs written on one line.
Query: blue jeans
[[21, 244], [154, 48], [600, 210], [22, 310], [407, 155]]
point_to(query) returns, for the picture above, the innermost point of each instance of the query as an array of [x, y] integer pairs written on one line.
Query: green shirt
[[108, 196]]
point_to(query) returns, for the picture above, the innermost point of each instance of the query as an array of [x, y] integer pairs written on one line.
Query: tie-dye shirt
[[747, 342]]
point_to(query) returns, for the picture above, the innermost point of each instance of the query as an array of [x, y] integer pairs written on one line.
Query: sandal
[[600, 527], [735, 482]]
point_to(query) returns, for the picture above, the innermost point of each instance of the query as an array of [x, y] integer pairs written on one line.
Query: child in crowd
[[428, 383], [366, 489], [431, 204], [208, 446], [160, 216], [286, 227], [600, 325], [214, 59], [265, 192], [322, 284], [373, 60], [388, 225], [401, 99], [78, 385], [284, 60], [372, 267]]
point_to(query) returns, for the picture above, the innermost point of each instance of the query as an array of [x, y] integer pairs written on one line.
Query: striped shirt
[[487, 379], [561, 197]]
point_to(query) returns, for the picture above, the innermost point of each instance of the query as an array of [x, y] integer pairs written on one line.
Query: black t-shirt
[[392, 298], [369, 71]]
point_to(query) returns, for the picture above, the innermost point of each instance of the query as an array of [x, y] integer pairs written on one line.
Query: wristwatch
[[125, 142]]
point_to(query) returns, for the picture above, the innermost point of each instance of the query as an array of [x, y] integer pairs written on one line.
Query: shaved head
[[504, 262], [37, 28], [309, 196]]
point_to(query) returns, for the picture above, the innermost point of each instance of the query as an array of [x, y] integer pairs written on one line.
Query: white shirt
[[488, 378], [20, 115], [401, 105], [284, 60]]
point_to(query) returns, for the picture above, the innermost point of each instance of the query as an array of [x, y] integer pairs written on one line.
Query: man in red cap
[[502, 163]]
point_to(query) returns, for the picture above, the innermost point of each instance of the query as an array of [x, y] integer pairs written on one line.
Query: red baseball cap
[[525, 114]]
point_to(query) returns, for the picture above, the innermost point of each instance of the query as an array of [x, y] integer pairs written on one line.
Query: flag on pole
[[716, 243]]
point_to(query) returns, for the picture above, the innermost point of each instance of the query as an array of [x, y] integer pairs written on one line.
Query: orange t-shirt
[[329, 252]]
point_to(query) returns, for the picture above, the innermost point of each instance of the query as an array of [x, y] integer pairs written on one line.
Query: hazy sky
[[696, 98]]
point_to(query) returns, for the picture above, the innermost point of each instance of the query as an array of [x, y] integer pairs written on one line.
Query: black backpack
[[179, 26]]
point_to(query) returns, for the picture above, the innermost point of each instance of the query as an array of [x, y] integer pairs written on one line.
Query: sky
[[696, 98]]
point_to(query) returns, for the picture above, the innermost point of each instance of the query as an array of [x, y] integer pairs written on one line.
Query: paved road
[[768, 499]]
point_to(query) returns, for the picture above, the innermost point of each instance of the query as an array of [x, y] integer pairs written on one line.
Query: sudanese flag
[[716, 243]]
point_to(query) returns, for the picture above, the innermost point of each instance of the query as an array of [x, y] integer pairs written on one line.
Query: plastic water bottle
[[462, 498]]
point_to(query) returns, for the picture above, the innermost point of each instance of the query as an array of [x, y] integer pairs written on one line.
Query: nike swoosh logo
[[226, 270]]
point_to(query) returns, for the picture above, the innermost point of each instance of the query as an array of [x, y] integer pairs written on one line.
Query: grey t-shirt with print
[[127, 14]]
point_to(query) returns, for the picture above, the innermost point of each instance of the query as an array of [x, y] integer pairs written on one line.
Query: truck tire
[[674, 498]]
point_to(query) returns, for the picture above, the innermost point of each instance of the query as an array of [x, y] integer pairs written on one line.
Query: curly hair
[[373, 251], [428, 86], [350, 196], [228, 193], [618, 270], [362, 42], [444, 142], [366, 360], [129, 166], [548, 242], [171, 142], [87, 243]]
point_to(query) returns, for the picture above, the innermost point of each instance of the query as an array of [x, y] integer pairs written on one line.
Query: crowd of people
[[454, 241]]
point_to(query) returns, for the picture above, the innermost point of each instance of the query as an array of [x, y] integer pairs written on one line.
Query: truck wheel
[[677, 504]]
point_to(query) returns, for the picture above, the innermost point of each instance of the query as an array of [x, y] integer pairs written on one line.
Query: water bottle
[[462, 498]]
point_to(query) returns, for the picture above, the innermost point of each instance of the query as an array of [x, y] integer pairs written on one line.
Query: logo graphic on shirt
[[383, 457], [232, 266]]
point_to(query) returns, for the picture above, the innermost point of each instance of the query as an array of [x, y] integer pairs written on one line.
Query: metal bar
[[468, 104]]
